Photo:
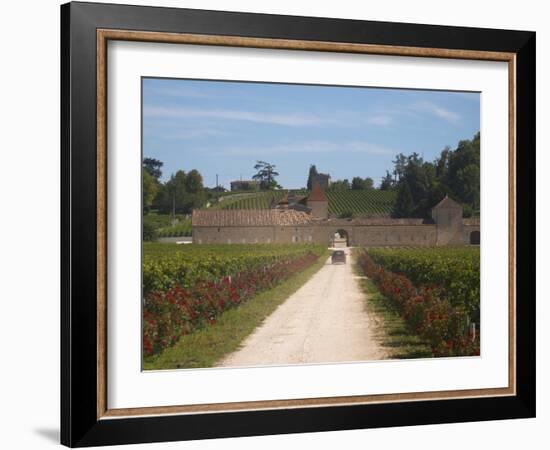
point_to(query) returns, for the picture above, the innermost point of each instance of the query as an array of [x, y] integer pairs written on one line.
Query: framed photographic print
[[277, 224]]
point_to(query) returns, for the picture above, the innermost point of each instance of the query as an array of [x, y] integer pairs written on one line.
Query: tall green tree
[[340, 185], [454, 173], [358, 183], [387, 182], [404, 205], [153, 166], [193, 182], [182, 192], [150, 189], [462, 175], [442, 163], [266, 174], [399, 164]]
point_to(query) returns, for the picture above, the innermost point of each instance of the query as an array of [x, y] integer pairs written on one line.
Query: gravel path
[[323, 321]]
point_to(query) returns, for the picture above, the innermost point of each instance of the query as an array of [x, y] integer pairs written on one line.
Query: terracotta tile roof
[[248, 217], [317, 194], [386, 221]]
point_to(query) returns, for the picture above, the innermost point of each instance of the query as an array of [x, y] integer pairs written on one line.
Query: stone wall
[[234, 235], [469, 234], [359, 235], [319, 210], [447, 227]]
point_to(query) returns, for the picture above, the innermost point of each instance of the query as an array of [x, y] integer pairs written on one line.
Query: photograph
[[271, 223], [288, 224]]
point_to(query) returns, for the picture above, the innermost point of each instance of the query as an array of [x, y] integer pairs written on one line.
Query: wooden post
[[473, 331]]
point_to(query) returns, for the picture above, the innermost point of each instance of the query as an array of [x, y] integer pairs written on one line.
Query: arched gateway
[[341, 238]]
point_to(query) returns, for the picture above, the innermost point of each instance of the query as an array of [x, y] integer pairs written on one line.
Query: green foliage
[[149, 188], [361, 203], [266, 174], [404, 205], [339, 185], [205, 346], [163, 224], [244, 185], [436, 291], [160, 220], [387, 182], [462, 173], [182, 228], [467, 211], [149, 232], [152, 166], [346, 215], [455, 269], [167, 265], [358, 183], [454, 173], [183, 192], [257, 200]]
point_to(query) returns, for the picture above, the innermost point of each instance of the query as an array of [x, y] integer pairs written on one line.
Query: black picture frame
[[80, 425]]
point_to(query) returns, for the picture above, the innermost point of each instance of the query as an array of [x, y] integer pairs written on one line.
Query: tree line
[[183, 192], [419, 184], [422, 184]]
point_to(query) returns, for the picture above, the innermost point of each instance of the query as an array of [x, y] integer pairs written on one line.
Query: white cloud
[[180, 92], [307, 147], [439, 111], [191, 133], [288, 119], [381, 120]]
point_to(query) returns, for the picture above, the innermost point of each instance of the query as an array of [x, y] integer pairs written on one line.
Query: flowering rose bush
[[170, 314], [426, 311], [166, 266], [455, 269]]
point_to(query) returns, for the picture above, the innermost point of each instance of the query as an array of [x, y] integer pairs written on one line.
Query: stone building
[[245, 185], [317, 202], [306, 219], [323, 179]]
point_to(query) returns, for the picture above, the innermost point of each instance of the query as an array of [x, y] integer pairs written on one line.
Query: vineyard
[[372, 202], [436, 290], [253, 200], [187, 287], [161, 225]]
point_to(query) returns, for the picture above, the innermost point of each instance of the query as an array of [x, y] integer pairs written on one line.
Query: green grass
[[162, 223], [205, 347], [182, 228], [391, 331]]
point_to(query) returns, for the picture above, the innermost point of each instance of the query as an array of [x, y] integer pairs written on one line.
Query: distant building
[[323, 179], [296, 219], [245, 185], [317, 202]]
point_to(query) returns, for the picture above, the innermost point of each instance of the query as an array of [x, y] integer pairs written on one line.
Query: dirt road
[[323, 321]]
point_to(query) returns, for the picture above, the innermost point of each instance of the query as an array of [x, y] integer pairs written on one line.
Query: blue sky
[[220, 127]]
